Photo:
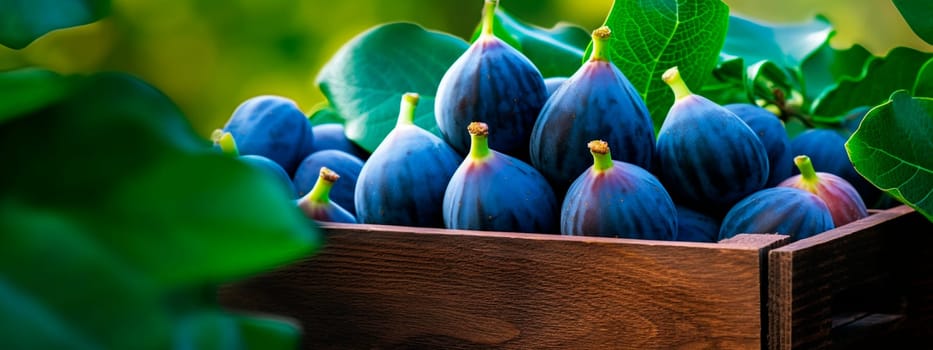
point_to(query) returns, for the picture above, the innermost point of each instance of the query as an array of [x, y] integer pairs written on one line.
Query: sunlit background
[[208, 56]]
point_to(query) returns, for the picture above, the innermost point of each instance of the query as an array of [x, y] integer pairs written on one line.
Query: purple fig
[[317, 204], [841, 197], [778, 210]]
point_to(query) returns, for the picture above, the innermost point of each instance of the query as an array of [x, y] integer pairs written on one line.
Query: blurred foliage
[[209, 56]]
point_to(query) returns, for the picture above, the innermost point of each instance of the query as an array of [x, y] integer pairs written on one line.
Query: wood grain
[[385, 287], [862, 285]]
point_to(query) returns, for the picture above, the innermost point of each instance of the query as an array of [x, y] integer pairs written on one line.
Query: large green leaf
[[649, 37], [556, 52], [364, 81], [24, 21], [891, 148], [28, 89], [827, 65], [111, 203], [881, 77], [923, 86], [786, 45], [919, 16]]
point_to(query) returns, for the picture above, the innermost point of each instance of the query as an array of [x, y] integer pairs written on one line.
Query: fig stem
[[320, 193], [406, 113], [806, 169], [601, 44], [676, 82], [489, 16], [225, 141], [602, 159], [479, 140]]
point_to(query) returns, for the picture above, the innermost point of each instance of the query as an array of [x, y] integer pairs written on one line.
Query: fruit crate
[[390, 287]]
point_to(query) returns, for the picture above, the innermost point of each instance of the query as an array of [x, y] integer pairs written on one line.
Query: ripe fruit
[[492, 83], [771, 132], [617, 199], [333, 136], [273, 127], [343, 163], [553, 83], [827, 151], [225, 142], [403, 181], [317, 204], [596, 102], [843, 200], [709, 158], [694, 226], [492, 191], [782, 210]]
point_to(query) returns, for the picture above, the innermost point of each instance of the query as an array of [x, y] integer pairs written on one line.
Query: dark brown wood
[[861, 285], [386, 287]]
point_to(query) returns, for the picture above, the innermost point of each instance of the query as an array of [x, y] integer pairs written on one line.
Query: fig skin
[[596, 102], [844, 202], [493, 83], [403, 181], [224, 142], [318, 206], [273, 127], [617, 199], [553, 83], [492, 191], [827, 151], [694, 226], [778, 210], [770, 130], [333, 136], [709, 158], [343, 163]]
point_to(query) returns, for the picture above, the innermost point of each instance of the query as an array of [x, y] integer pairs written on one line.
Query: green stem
[[806, 170], [320, 193], [225, 141], [479, 140], [601, 44], [602, 159], [406, 113], [489, 16], [677, 84]]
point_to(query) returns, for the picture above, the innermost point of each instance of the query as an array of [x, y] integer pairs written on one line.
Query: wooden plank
[[878, 267], [400, 287]]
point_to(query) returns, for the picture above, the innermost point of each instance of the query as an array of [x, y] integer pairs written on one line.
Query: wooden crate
[[393, 287]]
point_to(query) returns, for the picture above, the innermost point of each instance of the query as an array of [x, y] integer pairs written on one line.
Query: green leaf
[[556, 52], [881, 77], [891, 148], [827, 65], [116, 204], [26, 90], [923, 86], [787, 45], [649, 37], [364, 81], [24, 21], [727, 83], [323, 113], [919, 15]]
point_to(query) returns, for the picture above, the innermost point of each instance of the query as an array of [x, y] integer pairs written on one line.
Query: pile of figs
[[573, 155]]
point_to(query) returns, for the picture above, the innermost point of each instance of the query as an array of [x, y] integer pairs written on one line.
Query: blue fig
[[492, 191], [781, 210], [709, 158], [553, 83], [617, 199], [317, 204], [493, 83], [771, 132], [225, 142], [332, 136], [844, 202], [827, 151], [403, 181], [343, 163], [596, 102], [695, 226], [273, 127]]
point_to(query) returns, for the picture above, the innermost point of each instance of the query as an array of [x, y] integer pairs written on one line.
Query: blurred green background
[[208, 56]]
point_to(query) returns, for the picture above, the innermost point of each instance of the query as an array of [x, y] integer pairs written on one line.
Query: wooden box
[[393, 287]]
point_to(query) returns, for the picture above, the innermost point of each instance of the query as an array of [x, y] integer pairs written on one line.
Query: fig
[[827, 151], [771, 132], [343, 163], [778, 210], [695, 226], [617, 199], [273, 127], [492, 191], [552, 83], [709, 158], [844, 202], [494, 83], [332, 136], [596, 102], [225, 142], [317, 204], [403, 181]]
